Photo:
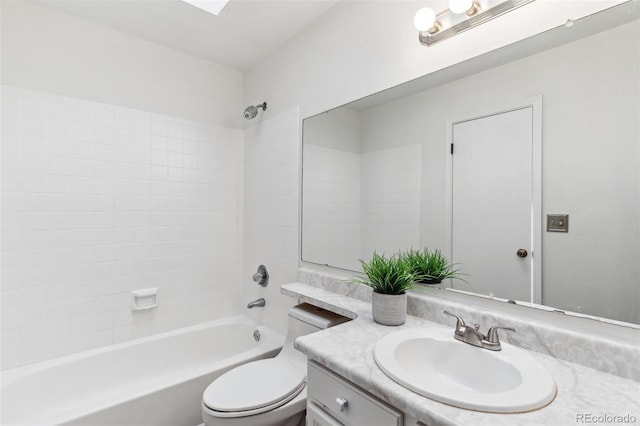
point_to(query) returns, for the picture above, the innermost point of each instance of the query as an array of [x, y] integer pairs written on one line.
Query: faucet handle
[[459, 321], [493, 340], [261, 277]]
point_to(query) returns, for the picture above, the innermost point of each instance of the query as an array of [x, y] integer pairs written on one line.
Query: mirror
[[378, 173]]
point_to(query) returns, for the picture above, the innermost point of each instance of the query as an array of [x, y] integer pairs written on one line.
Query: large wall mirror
[[546, 127]]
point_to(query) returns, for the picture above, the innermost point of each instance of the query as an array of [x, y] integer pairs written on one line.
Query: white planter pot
[[389, 309]]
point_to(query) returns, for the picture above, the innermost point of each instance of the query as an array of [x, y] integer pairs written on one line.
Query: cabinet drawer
[[327, 389], [317, 417]]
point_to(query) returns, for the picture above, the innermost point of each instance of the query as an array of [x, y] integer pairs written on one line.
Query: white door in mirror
[[492, 189]]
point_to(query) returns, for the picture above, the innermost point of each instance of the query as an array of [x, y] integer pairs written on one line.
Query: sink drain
[[256, 335]]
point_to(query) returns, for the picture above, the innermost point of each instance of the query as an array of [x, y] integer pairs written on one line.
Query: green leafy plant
[[390, 275], [430, 266]]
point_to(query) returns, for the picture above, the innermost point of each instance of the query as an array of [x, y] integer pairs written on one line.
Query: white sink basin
[[432, 363]]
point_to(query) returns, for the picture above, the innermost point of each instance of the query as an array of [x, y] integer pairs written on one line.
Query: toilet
[[268, 392]]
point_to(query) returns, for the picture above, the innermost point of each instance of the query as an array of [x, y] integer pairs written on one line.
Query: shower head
[[251, 111]]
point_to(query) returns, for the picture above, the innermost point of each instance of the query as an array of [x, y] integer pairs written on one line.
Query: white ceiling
[[242, 34]]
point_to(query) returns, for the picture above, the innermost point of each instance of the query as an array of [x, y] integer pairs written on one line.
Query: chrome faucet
[[258, 303], [474, 337]]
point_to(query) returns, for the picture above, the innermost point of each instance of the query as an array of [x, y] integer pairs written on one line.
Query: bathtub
[[156, 380]]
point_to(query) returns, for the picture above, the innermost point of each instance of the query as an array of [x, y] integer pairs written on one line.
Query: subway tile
[[58, 147], [123, 138], [82, 237], [55, 183], [82, 184], [103, 236], [103, 203], [58, 129], [79, 112], [34, 105], [32, 144], [159, 158], [103, 169], [34, 126], [122, 333], [142, 156], [142, 171], [58, 311], [176, 174], [58, 238], [103, 220], [159, 127], [176, 130], [103, 185], [142, 122], [81, 202], [34, 163], [103, 118], [81, 132], [80, 150], [175, 145], [103, 152], [190, 147], [81, 220], [57, 166], [80, 167], [123, 154], [104, 135], [58, 220], [159, 172], [11, 101], [124, 121], [11, 144]]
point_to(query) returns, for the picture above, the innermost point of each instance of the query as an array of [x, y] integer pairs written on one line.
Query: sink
[[432, 363]]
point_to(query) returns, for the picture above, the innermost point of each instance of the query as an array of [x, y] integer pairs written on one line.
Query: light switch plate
[[557, 223]]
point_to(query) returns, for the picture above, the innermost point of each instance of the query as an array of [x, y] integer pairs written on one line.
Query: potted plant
[[430, 266], [390, 278]]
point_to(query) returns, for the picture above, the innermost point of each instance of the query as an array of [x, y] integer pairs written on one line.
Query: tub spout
[[258, 303]]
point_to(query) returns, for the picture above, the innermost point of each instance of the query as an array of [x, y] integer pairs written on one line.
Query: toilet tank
[[306, 319]]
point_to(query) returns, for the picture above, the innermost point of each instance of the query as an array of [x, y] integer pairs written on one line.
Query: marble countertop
[[347, 349]]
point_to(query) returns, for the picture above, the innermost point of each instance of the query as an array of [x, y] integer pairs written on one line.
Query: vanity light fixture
[[460, 16]]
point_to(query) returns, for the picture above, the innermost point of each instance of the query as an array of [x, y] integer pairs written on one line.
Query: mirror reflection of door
[[492, 200]]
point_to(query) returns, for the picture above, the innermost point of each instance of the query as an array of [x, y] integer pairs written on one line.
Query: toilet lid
[[254, 386]]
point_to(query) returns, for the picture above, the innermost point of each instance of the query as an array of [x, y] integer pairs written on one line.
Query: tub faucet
[[258, 303], [474, 337]]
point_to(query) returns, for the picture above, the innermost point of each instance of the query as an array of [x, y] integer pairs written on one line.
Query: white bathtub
[[157, 380]]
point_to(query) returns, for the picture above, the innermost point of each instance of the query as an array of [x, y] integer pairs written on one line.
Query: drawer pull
[[342, 403]]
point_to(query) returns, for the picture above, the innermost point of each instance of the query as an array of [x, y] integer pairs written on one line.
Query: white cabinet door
[[317, 417], [345, 402]]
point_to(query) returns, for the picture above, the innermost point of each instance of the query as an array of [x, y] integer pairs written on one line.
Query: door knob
[[521, 253]]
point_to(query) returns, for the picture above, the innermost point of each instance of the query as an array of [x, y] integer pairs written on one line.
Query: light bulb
[[425, 19], [460, 6]]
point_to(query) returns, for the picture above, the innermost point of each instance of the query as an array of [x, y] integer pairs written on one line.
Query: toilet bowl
[[268, 392]]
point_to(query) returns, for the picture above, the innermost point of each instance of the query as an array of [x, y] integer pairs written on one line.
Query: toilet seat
[[254, 388]]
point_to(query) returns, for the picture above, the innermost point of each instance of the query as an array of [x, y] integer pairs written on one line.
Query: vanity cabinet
[[333, 401]]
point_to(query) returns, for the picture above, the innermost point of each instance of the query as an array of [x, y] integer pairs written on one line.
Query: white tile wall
[[99, 200], [354, 204], [331, 206], [390, 200], [271, 197]]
